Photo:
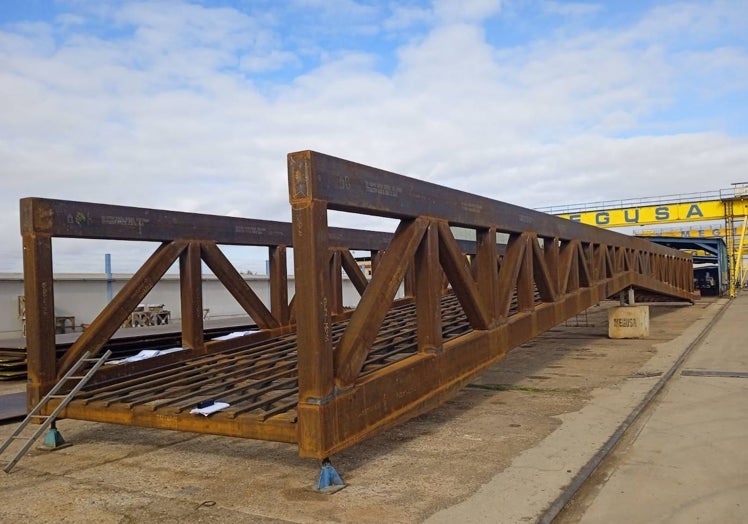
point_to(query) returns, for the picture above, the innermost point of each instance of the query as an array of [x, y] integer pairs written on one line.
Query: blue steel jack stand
[[53, 439], [329, 481]]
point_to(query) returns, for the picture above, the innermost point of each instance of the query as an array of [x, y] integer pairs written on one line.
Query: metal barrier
[[316, 373]]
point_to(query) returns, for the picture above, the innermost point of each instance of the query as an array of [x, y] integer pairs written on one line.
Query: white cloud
[[173, 114], [272, 61], [466, 10], [69, 21], [339, 7], [570, 8], [405, 17]]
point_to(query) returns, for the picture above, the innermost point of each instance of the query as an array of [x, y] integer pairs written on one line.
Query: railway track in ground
[[583, 477]]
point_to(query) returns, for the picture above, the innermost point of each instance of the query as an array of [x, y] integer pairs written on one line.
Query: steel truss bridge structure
[[737, 234], [727, 205], [317, 374]]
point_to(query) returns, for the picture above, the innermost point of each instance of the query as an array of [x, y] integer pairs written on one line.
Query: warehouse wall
[[84, 295]]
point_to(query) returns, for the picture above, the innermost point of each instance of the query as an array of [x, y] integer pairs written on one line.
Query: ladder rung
[[67, 397]]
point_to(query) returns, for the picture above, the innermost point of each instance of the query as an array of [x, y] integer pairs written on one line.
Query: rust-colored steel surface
[[317, 373], [549, 270], [187, 238]]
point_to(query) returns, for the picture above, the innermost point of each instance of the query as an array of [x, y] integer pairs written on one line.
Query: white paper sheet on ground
[[216, 406], [145, 354], [235, 334]]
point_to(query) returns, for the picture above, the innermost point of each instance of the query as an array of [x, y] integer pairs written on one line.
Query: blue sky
[[193, 105]]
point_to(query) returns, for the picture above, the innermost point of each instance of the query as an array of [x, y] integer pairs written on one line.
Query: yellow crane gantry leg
[[737, 265]]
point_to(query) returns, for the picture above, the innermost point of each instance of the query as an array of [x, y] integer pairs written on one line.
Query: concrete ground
[[499, 451], [687, 461]]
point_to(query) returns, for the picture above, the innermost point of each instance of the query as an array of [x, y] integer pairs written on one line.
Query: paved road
[[689, 460]]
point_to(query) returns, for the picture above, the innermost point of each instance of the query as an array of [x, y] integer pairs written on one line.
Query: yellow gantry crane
[[726, 205], [738, 232], [690, 232]]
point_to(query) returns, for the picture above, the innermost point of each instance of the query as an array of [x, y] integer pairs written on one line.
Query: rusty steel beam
[[279, 284], [352, 269], [191, 297], [427, 283], [318, 374], [457, 270], [188, 237], [68, 219], [336, 284], [375, 303], [505, 299], [38, 285]]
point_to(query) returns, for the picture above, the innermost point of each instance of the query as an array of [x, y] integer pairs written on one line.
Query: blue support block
[[329, 481], [53, 439]]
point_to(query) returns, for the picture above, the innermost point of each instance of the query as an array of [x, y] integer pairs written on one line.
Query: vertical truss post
[[569, 266], [427, 291], [376, 257], [487, 270], [40, 303], [191, 291], [279, 284], [336, 282], [525, 280], [551, 255], [40, 316], [314, 329]]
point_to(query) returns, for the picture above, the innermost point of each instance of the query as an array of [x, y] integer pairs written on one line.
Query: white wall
[[11, 287], [84, 296]]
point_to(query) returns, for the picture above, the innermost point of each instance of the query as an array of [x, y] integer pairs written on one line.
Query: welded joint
[[321, 401]]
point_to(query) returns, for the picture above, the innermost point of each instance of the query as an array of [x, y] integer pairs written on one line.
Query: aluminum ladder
[[49, 419]]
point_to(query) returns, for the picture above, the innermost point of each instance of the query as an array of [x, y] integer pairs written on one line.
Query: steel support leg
[[329, 480], [53, 439]]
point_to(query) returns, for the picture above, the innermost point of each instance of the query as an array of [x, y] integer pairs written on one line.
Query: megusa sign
[[647, 215]]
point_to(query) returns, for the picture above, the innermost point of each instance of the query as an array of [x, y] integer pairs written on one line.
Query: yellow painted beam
[[706, 232], [650, 215]]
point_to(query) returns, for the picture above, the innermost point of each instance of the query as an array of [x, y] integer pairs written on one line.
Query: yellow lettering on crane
[[649, 215], [634, 218], [694, 211], [707, 232]]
